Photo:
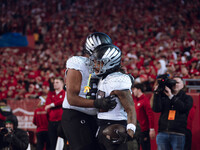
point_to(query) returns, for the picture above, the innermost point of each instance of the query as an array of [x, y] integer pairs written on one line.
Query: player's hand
[[130, 133], [105, 103]]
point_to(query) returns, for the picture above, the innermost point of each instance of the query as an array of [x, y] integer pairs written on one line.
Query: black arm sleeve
[[183, 104], [1, 141], [157, 103], [20, 140]]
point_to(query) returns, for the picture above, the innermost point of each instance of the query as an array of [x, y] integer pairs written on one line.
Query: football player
[[78, 121], [114, 82]]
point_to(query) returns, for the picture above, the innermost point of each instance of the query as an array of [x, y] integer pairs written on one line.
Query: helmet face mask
[[95, 39], [100, 66], [90, 64], [107, 58]]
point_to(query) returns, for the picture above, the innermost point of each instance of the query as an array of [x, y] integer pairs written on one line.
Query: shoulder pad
[[119, 77], [119, 81], [76, 62]]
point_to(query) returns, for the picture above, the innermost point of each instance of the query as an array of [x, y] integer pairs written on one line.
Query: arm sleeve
[[48, 100], [149, 113], [183, 105], [1, 141], [157, 104], [21, 141], [60, 101]]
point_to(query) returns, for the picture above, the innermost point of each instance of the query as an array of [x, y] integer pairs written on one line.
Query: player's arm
[[73, 85], [126, 100]]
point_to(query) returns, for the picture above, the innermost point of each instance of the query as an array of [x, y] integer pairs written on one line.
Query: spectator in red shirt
[[3, 93], [184, 72], [193, 68], [41, 121], [144, 115], [54, 107]]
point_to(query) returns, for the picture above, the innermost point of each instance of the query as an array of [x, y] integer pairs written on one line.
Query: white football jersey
[[79, 63], [114, 81]]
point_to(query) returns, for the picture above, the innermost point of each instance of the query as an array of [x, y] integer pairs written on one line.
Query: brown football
[[110, 131]]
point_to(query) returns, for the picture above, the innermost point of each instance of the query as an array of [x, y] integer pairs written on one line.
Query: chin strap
[[87, 88]]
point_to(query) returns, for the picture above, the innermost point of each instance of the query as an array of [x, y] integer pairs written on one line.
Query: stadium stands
[[146, 31]]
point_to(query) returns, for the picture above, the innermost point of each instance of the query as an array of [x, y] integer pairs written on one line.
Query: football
[[110, 131]]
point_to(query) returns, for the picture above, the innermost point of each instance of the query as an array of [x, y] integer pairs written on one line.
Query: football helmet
[[107, 59], [95, 39]]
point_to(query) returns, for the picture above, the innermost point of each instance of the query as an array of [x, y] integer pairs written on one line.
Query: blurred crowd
[[154, 36]]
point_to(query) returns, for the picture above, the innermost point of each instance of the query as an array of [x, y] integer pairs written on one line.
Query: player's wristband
[[131, 127]]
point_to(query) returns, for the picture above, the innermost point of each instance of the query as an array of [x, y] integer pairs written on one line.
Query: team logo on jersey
[[60, 96], [138, 104]]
